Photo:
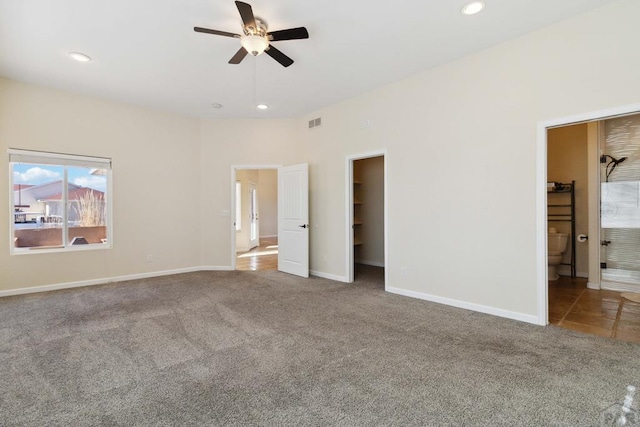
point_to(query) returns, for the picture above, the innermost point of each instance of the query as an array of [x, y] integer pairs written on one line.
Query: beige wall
[[566, 162], [463, 136], [370, 172], [238, 142], [268, 202], [156, 187]]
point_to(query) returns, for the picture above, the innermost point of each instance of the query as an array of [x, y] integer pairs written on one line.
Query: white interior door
[[253, 215], [293, 219]]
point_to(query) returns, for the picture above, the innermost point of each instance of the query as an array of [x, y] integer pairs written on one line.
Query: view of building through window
[[58, 205]]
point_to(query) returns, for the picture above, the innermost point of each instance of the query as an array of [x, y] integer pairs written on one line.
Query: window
[[238, 205], [60, 202]]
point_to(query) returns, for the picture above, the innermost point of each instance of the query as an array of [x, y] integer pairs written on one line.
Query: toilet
[[557, 245]]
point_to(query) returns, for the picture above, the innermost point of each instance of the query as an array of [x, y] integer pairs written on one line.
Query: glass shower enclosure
[[620, 202]]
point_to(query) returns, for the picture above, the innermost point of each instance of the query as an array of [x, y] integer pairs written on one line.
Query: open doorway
[[367, 216], [593, 225], [255, 237]]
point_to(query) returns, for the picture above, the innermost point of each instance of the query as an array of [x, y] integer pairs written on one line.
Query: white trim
[[349, 210], [105, 280], [75, 248], [541, 193], [541, 226], [329, 276], [592, 285], [594, 115], [467, 305], [232, 211], [103, 161], [368, 262]]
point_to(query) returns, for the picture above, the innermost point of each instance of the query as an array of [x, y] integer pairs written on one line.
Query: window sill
[[59, 249]]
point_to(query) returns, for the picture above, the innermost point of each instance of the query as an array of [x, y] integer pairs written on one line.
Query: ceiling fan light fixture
[[262, 106], [473, 8], [254, 44]]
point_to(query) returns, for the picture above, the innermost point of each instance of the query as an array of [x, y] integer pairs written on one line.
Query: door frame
[[349, 211], [541, 194], [232, 211]]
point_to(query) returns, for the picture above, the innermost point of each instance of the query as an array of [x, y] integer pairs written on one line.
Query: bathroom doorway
[[601, 158], [567, 196]]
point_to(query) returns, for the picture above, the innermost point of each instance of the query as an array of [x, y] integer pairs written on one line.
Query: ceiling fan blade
[[290, 34], [283, 59], [246, 13], [239, 56], [216, 32]]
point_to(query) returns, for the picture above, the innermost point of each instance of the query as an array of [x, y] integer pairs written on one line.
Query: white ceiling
[[146, 53]]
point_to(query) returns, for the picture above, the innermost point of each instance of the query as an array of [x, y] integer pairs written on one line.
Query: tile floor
[[573, 306]]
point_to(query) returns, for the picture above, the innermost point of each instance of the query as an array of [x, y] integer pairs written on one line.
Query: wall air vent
[[315, 123]]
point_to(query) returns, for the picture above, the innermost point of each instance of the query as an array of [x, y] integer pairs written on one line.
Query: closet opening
[[367, 219]]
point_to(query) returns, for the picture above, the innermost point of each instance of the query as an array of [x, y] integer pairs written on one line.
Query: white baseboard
[[329, 276], [441, 300], [105, 280], [467, 305], [592, 285], [368, 262]]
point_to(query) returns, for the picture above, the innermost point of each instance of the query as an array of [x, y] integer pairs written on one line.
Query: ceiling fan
[[256, 38]]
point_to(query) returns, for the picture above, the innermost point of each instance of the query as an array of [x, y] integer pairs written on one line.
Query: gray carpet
[[247, 348]]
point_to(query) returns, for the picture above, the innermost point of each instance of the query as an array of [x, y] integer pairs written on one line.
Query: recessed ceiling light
[[80, 57], [216, 105], [262, 106], [473, 8]]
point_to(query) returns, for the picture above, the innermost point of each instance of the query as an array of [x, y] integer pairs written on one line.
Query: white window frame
[[17, 156]]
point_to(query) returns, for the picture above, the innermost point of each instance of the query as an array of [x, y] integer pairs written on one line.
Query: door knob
[[303, 225], [605, 242]]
